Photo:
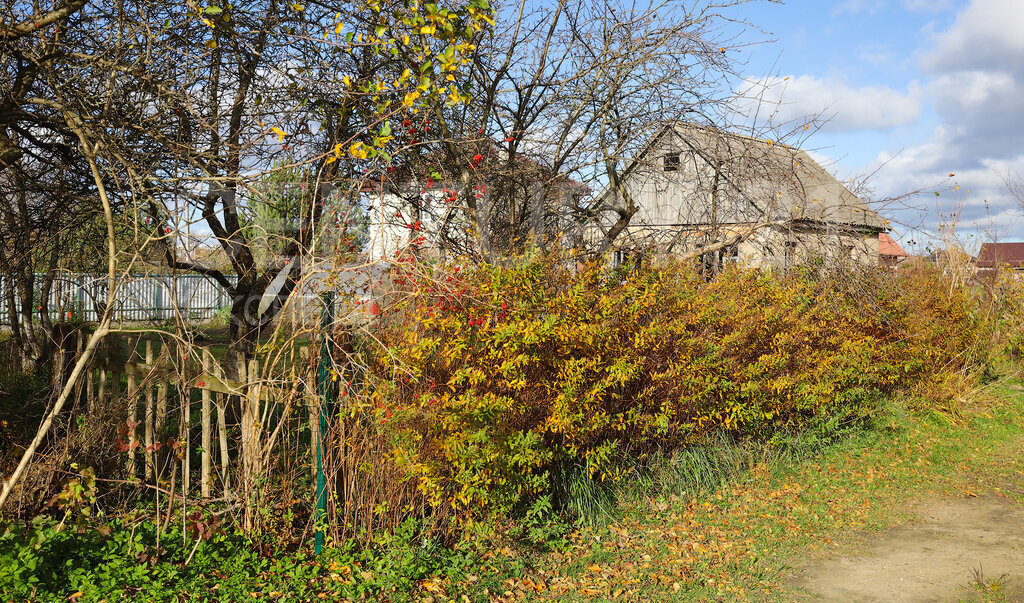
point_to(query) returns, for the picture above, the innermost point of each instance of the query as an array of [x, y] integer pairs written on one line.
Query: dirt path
[[937, 557]]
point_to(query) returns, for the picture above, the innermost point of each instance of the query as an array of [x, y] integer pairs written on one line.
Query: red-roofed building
[[889, 251], [995, 255]]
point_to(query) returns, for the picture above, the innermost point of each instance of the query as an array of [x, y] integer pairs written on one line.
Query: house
[[889, 251], [749, 201], [425, 205], [995, 256]]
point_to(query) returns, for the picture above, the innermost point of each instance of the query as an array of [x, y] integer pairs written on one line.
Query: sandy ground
[[937, 557]]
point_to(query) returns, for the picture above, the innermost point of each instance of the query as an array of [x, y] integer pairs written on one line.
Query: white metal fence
[[142, 297]]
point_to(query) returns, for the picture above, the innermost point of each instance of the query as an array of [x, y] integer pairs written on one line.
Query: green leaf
[[213, 10]]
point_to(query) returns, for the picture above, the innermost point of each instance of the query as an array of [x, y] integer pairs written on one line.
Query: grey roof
[[765, 172]]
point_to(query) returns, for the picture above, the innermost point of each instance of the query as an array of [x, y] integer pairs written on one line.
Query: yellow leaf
[[347, 80], [280, 133], [358, 150], [427, 29], [411, 97]]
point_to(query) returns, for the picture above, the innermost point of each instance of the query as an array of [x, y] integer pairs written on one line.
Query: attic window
[[671, 162], [790, 251]]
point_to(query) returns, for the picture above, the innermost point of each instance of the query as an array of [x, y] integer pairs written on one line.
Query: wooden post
[[149, 417], [101, 390], [161, 411], [312, 407], [133, 418], [79, 348], [249, 419], [115, 381], [90, 390], [205, 462], [222, 429], [161, 421], [183, 434]]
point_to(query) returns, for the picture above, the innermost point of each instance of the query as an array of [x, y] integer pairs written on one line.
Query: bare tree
[[173, 115], [566, 93], [45, 184]]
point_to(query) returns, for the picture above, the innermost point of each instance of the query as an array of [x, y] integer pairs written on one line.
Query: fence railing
[[176, 399], [142, 297]]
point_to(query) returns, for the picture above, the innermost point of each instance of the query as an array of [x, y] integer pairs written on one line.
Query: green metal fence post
[[324, 396]]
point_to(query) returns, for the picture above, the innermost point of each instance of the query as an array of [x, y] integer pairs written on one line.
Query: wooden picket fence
[[160, 379]]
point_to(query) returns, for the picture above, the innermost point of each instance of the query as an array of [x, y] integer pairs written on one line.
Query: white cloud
[[970, 188], [846, 108], [977, 71], [971, 83], [975, 84], [985, 35]]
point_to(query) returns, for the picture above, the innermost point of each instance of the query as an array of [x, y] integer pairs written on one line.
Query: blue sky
[[916, 90]]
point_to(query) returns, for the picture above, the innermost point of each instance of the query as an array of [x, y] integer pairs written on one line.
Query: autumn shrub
[[495, 381], [1007, 296]]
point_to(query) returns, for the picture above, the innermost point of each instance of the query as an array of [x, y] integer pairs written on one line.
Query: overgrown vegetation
[[509, 407], [501, 385]]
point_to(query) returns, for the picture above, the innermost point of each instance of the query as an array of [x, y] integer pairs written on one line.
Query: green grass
[[724, 520]]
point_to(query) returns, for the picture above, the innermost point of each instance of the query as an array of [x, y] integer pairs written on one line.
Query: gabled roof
[[889, 247], [791, 181], [993, 255]]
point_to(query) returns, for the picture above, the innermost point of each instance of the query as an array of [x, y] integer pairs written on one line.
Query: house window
[[730, 254], [671, 162], [713, 262], [790, 252]]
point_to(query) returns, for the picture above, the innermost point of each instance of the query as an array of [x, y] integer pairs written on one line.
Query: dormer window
[[671, 162]]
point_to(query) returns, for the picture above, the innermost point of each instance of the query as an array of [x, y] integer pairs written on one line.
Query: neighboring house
[[516, 202], [696, 186], [996, 256], [412, 216], [889, 251]]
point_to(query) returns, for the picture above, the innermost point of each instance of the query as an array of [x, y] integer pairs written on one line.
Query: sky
[[913, 91]]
